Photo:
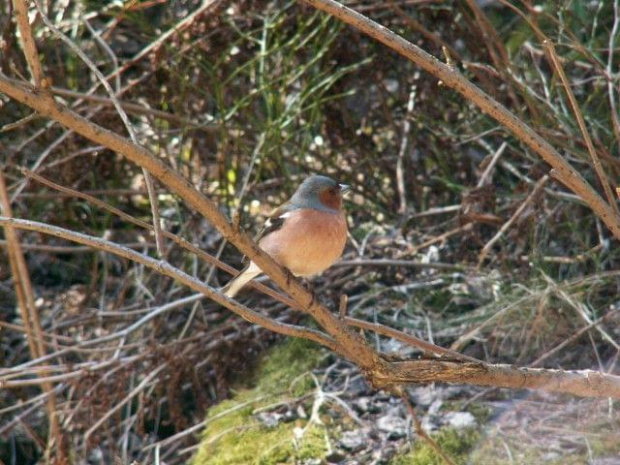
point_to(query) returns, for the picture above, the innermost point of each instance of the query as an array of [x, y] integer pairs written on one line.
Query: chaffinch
[[307, 234]]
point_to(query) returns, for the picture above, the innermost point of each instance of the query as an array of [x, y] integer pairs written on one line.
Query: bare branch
[[148, 180], [596, 162], [30, 316], [168, 270], [566, 174], [423, 434], [489, 245], [582, 383], [349, 343], [30, 47], [586, 383]]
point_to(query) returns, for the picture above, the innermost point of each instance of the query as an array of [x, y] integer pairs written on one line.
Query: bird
[[306, 234]]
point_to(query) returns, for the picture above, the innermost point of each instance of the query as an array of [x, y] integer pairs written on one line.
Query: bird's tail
[[244, 277]]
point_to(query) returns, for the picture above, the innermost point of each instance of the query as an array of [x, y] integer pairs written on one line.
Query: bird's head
[[320, 192]]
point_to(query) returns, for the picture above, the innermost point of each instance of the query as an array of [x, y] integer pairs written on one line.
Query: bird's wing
[[276, 220]]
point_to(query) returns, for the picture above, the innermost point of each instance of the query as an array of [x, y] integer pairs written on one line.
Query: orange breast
[[309, 242]]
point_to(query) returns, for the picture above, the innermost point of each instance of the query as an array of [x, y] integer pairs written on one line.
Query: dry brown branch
[[133, 108], [596, 162], [496, 49], [582, 383], [68, 249], [166, 269], [30, 315], [587, 383], [403, 263], [408, 339], [378, 370], [148, 180], [348, 342], [450, 77], [30, 47], [13, 250]]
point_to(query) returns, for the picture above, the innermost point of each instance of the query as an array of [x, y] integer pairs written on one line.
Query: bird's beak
[[344, 188]]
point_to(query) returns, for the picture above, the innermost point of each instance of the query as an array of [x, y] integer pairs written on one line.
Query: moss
[[455, 443], [234, 436]]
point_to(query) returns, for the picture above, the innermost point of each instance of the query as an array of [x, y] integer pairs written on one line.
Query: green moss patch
[[457, 444], [234, 435]]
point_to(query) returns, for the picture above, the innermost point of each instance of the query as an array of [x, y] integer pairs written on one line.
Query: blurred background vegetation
[[247, 98]]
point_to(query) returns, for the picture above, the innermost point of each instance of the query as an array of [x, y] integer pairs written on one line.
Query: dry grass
[[243, 101]]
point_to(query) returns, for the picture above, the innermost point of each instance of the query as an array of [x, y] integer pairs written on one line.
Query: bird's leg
[[310, 287], [307, 284], [289, 276]]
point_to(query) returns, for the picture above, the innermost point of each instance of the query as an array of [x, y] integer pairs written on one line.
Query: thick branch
[[381, 372], [350, 344], [167, 269], [564, 172], [585, 383], [581, 383]]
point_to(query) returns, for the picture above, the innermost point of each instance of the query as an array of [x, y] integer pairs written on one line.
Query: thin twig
[[30, 47], [172, 272], [404, 145], [30, 315], [574, 337], [423, 434], [498, 153], [342, 309], [120, 404], [489, 245], [148, 180], [611, 87], [408, 339], [405, 263], [567, 174], [596, 162]]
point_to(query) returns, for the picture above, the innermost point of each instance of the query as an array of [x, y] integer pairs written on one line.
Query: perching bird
[[307, 234]]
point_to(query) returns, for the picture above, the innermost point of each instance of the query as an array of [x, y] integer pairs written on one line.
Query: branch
[[596, 162], [581, 383], [450, 77], [30, 47], [150, 186], [166, 269], [380, 372], [489, 245], [349, 343], [28, 309], [585, 383]]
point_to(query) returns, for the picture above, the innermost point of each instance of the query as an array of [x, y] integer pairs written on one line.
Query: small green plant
[[234, 435], [455, 443]]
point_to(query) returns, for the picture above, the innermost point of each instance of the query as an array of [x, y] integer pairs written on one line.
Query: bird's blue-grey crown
[[308, 193]]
